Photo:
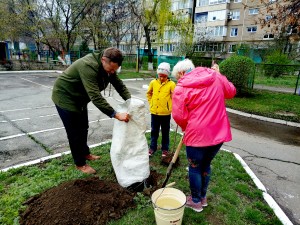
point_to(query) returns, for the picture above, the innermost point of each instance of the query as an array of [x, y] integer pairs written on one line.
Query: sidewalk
[[277, 89]]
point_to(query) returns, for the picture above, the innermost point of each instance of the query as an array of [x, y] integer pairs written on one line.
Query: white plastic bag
[[129, 148]]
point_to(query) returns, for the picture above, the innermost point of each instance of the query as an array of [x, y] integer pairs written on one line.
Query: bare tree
[[63, 18], [118, 20], [94, 28]]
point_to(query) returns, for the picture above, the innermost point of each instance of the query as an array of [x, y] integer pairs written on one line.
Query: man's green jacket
[[83, 82]]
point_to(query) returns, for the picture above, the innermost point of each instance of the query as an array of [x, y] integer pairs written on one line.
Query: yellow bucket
[[169, 204]]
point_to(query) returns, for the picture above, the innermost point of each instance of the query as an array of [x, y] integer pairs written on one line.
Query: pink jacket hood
[[199, 107], [198, 78]]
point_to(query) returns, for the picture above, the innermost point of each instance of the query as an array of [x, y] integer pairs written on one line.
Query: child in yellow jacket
[[159, 96]]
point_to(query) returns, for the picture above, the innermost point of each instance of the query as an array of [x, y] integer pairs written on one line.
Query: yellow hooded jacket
[[159, 96]]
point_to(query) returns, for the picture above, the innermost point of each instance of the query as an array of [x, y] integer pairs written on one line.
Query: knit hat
[[164, 68]]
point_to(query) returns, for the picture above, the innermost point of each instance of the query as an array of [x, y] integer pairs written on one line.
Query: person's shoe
[[86, 169], [194, 206], [91, 157], [204, 202], [164, 153], [151, 152]]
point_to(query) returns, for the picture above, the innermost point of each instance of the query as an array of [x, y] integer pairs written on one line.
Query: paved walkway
[[277, 89]]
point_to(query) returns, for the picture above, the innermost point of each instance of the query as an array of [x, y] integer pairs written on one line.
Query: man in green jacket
[[79, 84]]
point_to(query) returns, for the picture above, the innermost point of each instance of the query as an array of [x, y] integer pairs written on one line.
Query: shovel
[[170, 167]]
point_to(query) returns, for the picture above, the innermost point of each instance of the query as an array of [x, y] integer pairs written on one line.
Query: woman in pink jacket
[[199, 109]]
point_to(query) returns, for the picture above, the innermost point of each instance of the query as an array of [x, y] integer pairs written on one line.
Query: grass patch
[[288, 81], [129, 74], [232, 195], [270, 104]]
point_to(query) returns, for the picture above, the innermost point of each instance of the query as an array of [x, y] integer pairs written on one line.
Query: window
[[174, 6], [169, 47], [234, 32], [237, 1], [268, 17], [203, 2], [216, 15], [201, 17], [268, 36], [235, 15], [253, 11], [214, 2], [232, 48], [216, 31], [252, 29], [209, 47]]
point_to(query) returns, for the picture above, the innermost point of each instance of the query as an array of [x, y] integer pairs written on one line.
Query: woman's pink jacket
[[199, 107]]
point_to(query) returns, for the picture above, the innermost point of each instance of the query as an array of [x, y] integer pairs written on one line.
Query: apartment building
[[222, 25]]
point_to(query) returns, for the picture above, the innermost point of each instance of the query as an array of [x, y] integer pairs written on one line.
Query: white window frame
[[234, 32], [237, 1], [215, 2], [268, 37], [253, 11], [268, 17], [231, 47], [203, 2], [252, 29], [236, 15]]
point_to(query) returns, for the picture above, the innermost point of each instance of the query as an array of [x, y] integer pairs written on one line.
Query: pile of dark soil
[[85, 201]]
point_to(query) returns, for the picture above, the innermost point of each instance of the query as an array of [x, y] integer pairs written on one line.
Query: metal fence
[[277, 70]]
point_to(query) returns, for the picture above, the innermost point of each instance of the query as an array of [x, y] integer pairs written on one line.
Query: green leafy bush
[[278, 67], [240, 71], [201, 61]]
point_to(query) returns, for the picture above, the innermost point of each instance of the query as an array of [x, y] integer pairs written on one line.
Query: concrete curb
[[284, 122], [268, 198]]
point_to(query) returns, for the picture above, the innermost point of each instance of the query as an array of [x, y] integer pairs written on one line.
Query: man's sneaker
[[204, 202], [194, 206], [164, 153], [86, 169], [151, 152]]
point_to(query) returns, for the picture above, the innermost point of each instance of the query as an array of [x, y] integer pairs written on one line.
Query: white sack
[[129, 147]]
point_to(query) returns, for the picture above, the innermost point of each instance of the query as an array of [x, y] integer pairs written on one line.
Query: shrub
[[240, 71], [200, 61], [9, 65], [279, 62]]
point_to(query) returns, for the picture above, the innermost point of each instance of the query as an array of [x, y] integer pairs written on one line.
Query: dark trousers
[[199, 169], [76, 125], [158, 122]]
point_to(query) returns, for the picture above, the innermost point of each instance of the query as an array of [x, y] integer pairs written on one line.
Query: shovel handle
[[177, 150]]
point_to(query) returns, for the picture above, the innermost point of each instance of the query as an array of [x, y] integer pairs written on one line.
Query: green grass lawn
[[232, 196], [270, 104], [288, 81]]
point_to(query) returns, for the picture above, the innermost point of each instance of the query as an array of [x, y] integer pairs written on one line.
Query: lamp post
[[138, 59]]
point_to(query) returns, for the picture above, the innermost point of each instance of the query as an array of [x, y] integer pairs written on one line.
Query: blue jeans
[[158, 122], [76, 125], [199, 159]]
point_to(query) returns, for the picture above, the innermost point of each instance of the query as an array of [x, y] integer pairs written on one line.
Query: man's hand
[[122, 117]]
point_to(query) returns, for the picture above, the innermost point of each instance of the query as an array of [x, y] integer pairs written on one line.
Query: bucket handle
[[168, 185]]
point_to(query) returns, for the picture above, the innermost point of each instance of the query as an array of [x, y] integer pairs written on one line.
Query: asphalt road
[[30, 129]]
